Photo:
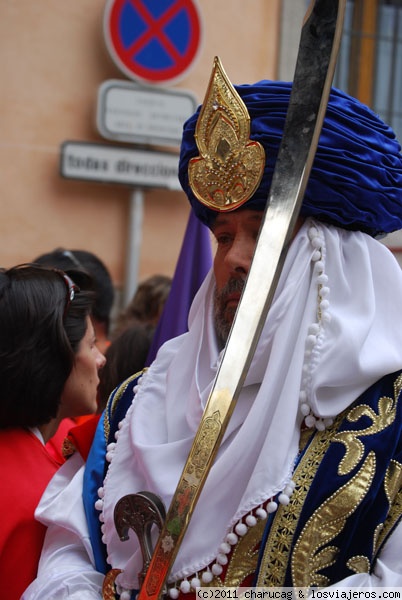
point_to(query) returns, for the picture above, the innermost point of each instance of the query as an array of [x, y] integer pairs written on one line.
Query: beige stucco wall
[[52, 60]]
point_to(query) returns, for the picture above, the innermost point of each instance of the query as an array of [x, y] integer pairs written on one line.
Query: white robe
[[357, 345]]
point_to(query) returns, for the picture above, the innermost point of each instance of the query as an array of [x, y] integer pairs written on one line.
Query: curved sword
[[315, 66]]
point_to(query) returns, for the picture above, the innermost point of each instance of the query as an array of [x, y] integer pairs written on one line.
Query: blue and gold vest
[[348, 496]]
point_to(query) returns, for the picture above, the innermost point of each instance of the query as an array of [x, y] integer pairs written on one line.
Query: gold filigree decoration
[[311, 554], [354, 446], [230, 166], [359, 564], [393, 480], [277, 550], [393, 491], [376, 536], [206, 439]]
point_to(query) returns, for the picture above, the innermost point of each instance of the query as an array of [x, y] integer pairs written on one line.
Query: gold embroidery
[[277, 549], [325, 524], [354, 446], [359, 564], [393, 491], [305, 436], [376, 536], [398, 386], [393, 480], [385, 417], [243, 561]]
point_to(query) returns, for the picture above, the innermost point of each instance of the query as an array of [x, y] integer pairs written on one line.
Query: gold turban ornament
[[230, 166]]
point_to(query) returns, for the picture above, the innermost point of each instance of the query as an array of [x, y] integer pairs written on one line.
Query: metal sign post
[[136, 213]]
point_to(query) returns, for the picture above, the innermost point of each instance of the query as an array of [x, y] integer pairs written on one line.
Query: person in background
[[305, 488], [147, 303], [49, 367], [88, 262]]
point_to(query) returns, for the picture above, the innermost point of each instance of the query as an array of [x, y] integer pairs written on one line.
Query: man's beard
[[223, 314]]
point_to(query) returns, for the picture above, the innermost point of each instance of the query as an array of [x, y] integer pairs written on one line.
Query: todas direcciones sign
[[154, 41]]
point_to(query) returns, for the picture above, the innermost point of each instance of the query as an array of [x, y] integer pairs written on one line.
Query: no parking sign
[[154, 41]]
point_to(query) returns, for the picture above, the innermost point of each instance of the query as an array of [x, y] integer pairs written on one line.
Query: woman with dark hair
[[49, 366]]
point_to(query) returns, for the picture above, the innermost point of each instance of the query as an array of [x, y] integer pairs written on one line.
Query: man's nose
[[240, 255]]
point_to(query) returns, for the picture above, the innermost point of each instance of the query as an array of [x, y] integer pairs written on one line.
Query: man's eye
[[223, 239]]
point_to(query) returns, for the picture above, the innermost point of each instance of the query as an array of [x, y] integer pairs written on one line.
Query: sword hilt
[[139, 512]]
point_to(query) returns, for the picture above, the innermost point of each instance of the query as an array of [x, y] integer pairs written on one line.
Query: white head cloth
[[360, 343]]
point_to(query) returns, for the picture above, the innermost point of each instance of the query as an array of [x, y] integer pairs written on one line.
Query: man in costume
[[306, 486]]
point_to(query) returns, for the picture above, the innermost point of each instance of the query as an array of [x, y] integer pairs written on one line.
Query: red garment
[[55, 445], [82, 435], [27, 468]]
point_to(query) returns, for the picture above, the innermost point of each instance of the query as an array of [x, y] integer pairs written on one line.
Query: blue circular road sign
[[155, 41]]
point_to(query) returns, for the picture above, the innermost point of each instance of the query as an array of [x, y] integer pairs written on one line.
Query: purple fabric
[[194, 262]]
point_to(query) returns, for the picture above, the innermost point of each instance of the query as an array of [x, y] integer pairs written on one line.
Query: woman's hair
[[43, 318]]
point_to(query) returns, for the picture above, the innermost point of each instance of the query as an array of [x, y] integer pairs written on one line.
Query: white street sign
[[112, 164], [134, 113]]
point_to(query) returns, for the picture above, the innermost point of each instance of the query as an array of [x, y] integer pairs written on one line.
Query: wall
[[53, 59]]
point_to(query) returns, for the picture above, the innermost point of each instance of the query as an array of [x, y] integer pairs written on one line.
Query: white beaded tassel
[[323, 316]]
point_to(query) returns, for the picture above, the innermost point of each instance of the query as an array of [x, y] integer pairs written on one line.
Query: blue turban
[[356, 178]]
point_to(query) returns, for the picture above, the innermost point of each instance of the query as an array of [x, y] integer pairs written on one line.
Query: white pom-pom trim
[[216, 569], [207, 576], [185, 586]]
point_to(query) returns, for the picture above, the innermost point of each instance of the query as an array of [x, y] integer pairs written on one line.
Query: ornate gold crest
[[230, 166]]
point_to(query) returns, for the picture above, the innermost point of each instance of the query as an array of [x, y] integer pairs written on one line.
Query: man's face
[[236, 235]]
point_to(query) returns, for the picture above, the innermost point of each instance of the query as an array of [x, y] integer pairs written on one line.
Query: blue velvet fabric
[[356, 179]]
